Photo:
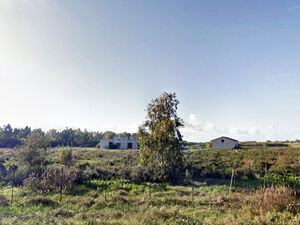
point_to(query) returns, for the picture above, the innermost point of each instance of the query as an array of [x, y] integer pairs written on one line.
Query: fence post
[[232, 174], [12, 189], [61, 184]]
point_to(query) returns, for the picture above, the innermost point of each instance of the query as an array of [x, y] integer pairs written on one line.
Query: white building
[[123, 142], [224, 143]]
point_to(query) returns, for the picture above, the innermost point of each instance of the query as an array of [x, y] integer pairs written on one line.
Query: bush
[[142, 174], [208, 145], [62, 212], [125, 173], [289, 179], [137, 175], [66, 156], [43, 201], [3, 200], [31, 157], [54, 179]]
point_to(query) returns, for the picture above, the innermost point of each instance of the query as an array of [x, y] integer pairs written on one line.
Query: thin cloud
[[198, 130], [15, 3], [12, 2]]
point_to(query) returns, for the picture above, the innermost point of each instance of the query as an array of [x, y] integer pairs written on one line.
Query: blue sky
[[96, 64]]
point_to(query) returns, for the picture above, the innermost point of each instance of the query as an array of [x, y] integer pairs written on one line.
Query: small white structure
[[224, 143], [123, 142]]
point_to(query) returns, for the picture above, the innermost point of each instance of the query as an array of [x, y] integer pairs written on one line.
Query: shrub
[[54, 179], [3, 200], [208, 145], [43, 200], [31, 157], [66, 156], [142, 174], [125, 173], [137, 175], [62, 212]]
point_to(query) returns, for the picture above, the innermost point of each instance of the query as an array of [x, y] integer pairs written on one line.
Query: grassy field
[[107, 198], [119, 202]]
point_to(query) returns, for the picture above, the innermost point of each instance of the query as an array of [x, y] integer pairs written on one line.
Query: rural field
[[112, 188], [149, 112]]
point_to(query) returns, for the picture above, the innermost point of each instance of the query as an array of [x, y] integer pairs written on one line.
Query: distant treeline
[[15, 137]]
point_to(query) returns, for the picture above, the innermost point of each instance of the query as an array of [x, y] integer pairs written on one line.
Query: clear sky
[[235, 65]]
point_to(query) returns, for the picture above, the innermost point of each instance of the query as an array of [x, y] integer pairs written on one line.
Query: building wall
[[104, 143], [122, 142], [225, 144]]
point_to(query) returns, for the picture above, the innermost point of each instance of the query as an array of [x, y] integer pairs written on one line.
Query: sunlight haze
[[234, 65]]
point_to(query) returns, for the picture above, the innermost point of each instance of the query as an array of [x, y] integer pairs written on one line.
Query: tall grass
[[275, 198]]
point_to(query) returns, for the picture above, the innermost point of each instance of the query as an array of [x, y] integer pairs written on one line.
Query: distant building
[[224, 143], [123, 142]]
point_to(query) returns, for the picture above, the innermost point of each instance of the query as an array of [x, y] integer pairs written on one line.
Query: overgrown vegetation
[[109, 187]]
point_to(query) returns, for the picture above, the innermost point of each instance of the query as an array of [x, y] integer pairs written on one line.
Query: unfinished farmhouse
[[123, 142], [224, 143]]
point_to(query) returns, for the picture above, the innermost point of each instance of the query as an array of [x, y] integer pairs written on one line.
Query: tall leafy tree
[[109, 135], [33, 153], [159, 135]]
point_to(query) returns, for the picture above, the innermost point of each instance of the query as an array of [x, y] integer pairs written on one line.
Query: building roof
[[225, 138]]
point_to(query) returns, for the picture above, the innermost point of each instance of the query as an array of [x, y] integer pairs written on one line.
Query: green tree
[[124, 134], [33, 153], [37, 140], [159, 136], [109, 135]]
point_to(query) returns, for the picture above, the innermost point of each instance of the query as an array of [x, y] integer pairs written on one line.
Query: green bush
[[54, 179], [66, 155]]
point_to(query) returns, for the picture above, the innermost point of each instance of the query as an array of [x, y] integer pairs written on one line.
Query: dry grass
[[274, 198], [7, 152]]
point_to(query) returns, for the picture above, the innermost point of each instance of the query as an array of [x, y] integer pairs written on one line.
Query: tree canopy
[[159, 135], [15, 137]]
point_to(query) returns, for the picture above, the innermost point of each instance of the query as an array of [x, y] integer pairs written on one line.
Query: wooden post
[[264, 151], [193, 192], [61, 184], [12, 188], [192, 183], [265, 176], [232, 174]]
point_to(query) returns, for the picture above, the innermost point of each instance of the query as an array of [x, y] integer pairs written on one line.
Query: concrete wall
[[122, 142], [224, 143], [104, 143]]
